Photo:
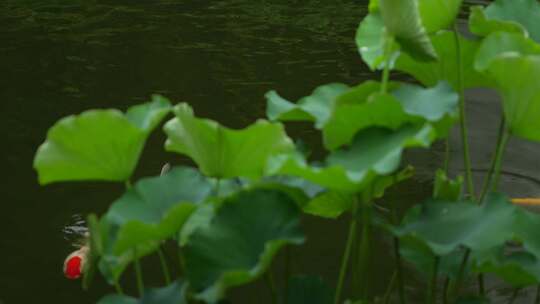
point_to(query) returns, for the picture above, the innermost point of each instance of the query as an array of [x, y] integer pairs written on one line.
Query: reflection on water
[[62, 57]]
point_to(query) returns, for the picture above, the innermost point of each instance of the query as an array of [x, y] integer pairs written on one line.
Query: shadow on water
[[62, 57]]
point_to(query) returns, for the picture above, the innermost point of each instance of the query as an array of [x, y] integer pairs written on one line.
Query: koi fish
[[74, 263], [76, 233]]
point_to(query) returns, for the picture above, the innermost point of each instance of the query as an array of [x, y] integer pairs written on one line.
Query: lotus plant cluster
[[228, 216]]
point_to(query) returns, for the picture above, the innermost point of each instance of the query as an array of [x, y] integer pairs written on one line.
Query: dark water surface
[[63, 57]]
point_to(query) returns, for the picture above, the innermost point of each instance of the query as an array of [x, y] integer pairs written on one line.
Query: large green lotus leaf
[[518, 268], [157, 207], [516, 78], [374, 152], [479, 24], [373, 6], [221, 152], [153, 210], [402, 20], [239, 243], [382, 110], [309, 290], [172, 294], [371, 40], [446, 68], [147, 116], [357, 109], [438, 14], [333, 203], [420, 255], [432, 104], [508, 15], [438, 105], [503, 43], [316, 107], [97, 144], [445, 226], [520, 265]]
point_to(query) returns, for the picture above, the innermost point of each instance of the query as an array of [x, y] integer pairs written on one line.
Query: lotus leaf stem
[[346, 254]]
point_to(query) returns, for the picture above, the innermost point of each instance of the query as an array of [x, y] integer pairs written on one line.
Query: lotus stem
[[537, 300], [461, 273], [481, 288], [347, 252], [489, 177], [138, 273], [446, 164], [287, 268], [164, 266], [364, 249], [514, 296], [499, 159], [118, 288], [462, 117], [386, 298], [399, 266], [271, 285], [386, 71], [445, 290], [432, 290]]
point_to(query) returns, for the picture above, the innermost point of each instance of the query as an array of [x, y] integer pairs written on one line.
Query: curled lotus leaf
[[315, 107], [98, 144], [507, 15], [374, 152], [438, 14], [151, 211], [403, 22], [446, 67], [222, 152]]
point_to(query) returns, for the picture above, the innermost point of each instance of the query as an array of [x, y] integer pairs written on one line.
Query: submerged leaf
[[97, 144], [239, 243], [446, 68], [402, 20], [221, 152], [508, 15]]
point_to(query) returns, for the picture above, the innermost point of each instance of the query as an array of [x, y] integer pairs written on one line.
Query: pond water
[[63, 57]]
